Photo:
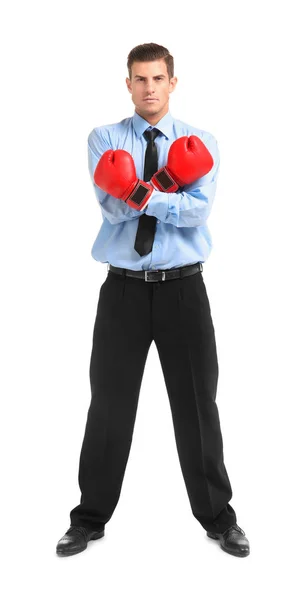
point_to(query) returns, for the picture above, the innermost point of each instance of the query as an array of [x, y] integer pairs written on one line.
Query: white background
[[240, 76]]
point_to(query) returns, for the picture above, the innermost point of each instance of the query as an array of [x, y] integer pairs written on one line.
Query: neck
[[154, 119]]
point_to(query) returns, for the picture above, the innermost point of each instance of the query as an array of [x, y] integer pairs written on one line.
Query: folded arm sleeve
[[113, 209], [192, 206]]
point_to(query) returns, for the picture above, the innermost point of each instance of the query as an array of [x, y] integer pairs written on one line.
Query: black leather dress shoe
[[75, 540], [232, 540]]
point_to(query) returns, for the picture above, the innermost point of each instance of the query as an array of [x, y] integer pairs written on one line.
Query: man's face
[[150, 80]]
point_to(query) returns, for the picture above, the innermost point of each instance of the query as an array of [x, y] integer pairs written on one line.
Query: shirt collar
[[165, 125]]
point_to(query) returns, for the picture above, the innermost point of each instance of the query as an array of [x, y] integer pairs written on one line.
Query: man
[[155, 179]]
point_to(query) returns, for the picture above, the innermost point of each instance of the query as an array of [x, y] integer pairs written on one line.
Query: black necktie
[[147, 224]]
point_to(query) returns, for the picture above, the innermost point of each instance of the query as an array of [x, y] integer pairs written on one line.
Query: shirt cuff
[[157, 205]]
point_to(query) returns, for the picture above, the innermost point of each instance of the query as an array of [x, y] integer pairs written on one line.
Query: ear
[[172, 84], [128, 83]]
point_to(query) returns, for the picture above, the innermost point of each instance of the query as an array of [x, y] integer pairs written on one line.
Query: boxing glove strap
[[140, 194], [163, 180]]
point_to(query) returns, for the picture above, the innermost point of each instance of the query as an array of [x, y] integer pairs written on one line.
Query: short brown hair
[[149, 52]]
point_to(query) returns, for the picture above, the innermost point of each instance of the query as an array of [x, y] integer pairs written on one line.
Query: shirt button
[[158, 221]]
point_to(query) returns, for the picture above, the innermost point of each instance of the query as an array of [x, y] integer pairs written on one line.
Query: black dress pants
[[131, 313]]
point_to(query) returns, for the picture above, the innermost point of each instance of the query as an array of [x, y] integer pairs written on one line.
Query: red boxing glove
[[188, 159], [115, 174]]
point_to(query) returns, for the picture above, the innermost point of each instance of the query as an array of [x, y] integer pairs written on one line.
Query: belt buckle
[[155, 271]]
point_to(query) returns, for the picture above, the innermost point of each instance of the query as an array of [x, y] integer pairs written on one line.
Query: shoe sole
[[95, 536], [213, 536]]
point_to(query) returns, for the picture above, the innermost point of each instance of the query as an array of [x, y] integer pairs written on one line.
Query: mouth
[[150, 99]]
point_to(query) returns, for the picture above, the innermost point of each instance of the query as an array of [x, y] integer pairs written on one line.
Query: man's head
[[151, 75]]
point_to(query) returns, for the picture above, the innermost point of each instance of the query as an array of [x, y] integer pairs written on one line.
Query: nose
[[150, 88]]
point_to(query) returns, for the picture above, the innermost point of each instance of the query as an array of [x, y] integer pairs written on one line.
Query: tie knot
[[151, 134]]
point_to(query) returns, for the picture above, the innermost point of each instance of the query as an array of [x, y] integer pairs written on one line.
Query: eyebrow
[[162, 75]]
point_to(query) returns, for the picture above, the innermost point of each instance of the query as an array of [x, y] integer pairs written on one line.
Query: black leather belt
[[159, 275]]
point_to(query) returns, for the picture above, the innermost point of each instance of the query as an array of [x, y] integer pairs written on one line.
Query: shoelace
[[236, 527]]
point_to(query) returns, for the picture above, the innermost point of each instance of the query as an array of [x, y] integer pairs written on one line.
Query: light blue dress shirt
[[182, 236]]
